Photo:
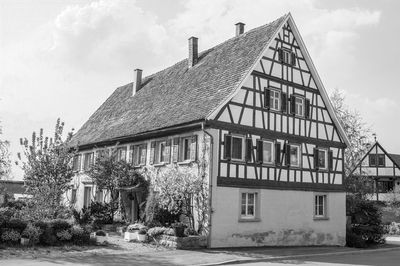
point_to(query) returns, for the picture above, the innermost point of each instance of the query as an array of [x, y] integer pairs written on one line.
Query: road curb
[[236, 261]]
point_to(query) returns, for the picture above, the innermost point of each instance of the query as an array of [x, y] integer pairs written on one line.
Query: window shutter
[[134, 154], [267, 97], [249, 149], [175, 152], [278, 153], [227, 147], [280, 54], [284, 102], [307, 108], [152, 152], [292, 104], [79, 162], [315, 158], [168, 151], [193, 148], [293, 57], [259, 157], [330, 160], [287, 155]]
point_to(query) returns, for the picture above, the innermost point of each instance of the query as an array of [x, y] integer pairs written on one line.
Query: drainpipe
[[210, 184]]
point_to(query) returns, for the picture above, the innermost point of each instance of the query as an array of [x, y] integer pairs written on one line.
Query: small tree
[[5, 162], [47, 172], [112, 174]]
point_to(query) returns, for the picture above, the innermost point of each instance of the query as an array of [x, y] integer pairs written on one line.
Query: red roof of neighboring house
[[12, 187]]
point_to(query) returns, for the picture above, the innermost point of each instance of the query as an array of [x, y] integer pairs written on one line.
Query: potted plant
[[179, 229], [142, 235]]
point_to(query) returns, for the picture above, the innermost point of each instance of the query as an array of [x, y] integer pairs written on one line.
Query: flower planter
[[141, 238], [24, 241], [129, 236]]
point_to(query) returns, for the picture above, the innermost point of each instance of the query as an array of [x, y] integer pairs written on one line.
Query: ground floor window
[[87, 196], [385, 186], [320, 206], [249, 205]]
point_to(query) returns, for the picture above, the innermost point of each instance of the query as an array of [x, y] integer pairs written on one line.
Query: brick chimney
[[193, 51], [137, 81], [239, 28]]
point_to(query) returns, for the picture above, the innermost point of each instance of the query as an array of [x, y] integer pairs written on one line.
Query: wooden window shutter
[[315, 158], [287, 155], [307, 108], [152, 152], [280, 54], [293, 59], [227, 146], [278, 153], [259, 157], [330, 160], [175, 150], [168, 151], [79, 162], [284, 102], [292, 104], [249, 149], [267, 97], [193, 148]]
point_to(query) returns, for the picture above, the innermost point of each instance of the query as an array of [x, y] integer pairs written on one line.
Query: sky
[[64, 58]]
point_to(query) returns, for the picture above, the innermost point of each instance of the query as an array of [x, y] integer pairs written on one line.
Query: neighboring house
[[13, 189], [257, 104], [383, 168]]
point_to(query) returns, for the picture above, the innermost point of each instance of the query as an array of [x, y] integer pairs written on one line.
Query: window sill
[[321, 218], [252, 220], [185, 162], [158, 164]]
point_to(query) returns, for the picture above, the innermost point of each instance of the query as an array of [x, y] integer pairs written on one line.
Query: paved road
[[378, 258]]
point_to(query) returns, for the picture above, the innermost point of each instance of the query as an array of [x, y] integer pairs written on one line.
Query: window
[[87, 196], [322, 159], [121, 154], [295, 155], [73, 195], [237, 148], [161, 152], [375, 159], [268, 152], [275, 100], [186, 149], [248, 206], [320, 206], [385, 186], [99, 196], [299, 106], [287, 57], [138, 154], [76, 163], [87, 161]]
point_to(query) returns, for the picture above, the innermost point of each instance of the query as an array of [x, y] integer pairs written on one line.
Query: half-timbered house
[[256, 102], [382, 168]]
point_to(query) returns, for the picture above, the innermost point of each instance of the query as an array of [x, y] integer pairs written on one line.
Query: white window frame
[[272, 151], [255, 205], [159, 152], [303, 105], [299, 154], [273, 98], [243, 148], [318, 203], [325, 150], [137, 152]]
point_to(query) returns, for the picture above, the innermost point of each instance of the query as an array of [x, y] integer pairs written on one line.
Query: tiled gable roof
[[395, 158], [178, 95]]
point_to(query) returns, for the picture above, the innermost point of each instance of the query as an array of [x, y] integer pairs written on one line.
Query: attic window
[[376, 160], [286, 56]]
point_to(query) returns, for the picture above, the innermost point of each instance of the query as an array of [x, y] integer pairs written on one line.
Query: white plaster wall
[[286, 220]]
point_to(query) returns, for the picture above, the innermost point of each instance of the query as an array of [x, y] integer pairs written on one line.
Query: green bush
[[11, 236], [100, 233], [5, 215], [32, 233], [80, 236], [82, 217], [366, 223], [59, 225], [15, 224], [102, 212], [48, 237], [64, 235], [354, 240]]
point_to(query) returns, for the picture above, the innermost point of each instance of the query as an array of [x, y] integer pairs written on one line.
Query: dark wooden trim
[[273, 134], [277, 185]]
